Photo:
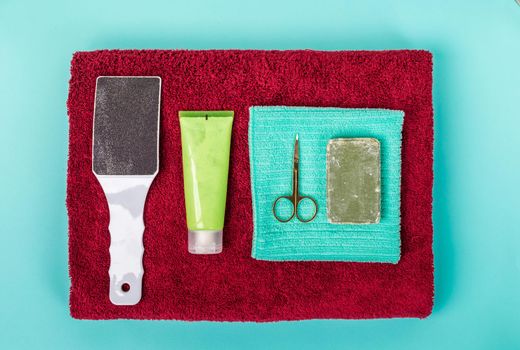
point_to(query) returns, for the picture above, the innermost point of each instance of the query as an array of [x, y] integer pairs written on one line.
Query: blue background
[[476, 47]]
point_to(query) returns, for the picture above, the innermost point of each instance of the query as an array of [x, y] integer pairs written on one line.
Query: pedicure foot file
[[125, 160]]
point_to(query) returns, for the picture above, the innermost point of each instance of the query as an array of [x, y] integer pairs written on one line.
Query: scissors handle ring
[[290, 199], [298, 203]]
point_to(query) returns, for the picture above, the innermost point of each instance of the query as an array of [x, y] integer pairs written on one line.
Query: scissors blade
[[296, 152]]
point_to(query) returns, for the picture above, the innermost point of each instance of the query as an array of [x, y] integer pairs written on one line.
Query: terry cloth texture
[[232, 286], [271, 144]]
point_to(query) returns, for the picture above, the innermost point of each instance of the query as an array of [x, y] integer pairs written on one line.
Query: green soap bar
[[354, 181]]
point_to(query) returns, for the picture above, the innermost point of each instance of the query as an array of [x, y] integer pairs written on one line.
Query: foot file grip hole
[[125, 287]]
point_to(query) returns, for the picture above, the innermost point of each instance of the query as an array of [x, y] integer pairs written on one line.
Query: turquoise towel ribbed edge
[[271, 142]]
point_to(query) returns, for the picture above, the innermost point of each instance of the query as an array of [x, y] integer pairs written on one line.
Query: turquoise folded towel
[[271, 142]]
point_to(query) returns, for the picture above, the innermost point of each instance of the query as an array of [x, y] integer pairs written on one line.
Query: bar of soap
[[354, 181]]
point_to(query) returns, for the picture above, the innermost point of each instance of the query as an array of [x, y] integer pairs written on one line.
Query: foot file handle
[[126, 196]]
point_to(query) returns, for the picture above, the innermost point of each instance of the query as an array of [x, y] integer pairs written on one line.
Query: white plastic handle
[[126, 196]]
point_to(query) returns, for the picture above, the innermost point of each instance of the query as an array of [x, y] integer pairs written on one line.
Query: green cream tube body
[[206, 140]]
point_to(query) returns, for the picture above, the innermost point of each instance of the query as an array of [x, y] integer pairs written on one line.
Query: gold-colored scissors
[[295, 197]]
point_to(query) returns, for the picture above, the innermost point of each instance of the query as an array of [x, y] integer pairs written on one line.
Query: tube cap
[[205, 241]]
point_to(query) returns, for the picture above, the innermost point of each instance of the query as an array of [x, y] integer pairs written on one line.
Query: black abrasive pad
[[126, 126]]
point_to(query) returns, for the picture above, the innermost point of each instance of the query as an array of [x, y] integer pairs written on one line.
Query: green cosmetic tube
[[206, 140]]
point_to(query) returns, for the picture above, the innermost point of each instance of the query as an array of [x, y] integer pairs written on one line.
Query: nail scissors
[[295, 197]]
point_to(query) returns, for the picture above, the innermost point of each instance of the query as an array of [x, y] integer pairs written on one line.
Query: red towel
[[232, 286]]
